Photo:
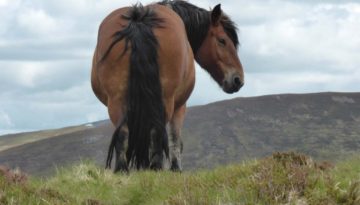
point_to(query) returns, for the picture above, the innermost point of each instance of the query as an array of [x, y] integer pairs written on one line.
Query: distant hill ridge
[[325, 126]]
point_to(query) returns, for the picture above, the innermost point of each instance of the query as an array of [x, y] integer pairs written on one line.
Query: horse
[[143, 70]]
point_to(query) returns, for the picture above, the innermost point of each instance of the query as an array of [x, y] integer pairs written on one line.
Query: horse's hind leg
[[176, 141], [121, 163], [119, 141], [156, 151]]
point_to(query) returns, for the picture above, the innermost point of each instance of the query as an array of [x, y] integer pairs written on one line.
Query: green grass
[[285, 178]]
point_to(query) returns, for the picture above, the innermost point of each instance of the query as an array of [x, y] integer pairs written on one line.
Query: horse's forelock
[[230, 29]]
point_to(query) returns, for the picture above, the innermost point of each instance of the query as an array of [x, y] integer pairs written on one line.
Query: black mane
[[197, 22]]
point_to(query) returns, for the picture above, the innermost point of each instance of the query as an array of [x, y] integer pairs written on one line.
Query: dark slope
[[324, 125]]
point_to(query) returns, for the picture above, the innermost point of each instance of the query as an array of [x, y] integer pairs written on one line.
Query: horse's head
[[218, 53]]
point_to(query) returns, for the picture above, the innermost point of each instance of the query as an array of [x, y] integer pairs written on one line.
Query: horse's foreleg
[[176, 141]]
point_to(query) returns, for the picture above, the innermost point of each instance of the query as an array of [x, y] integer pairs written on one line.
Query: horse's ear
[[216, 14]]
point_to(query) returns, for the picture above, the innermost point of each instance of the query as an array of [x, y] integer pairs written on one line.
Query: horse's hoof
[[156, 162], [121, 167], [175, 167], [156, 166]]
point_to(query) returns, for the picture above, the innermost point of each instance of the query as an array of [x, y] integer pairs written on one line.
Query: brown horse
[[143, 71]]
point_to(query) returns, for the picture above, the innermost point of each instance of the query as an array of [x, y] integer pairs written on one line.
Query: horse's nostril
[[237, 81]]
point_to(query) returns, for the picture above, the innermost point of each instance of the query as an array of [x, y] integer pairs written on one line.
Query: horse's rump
[[145, 111]]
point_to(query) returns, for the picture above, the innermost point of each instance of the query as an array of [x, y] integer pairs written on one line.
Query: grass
[[283, 178]]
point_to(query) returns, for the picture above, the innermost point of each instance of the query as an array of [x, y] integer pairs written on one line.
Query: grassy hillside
[[285, 178], [14, 140], [324, 126]]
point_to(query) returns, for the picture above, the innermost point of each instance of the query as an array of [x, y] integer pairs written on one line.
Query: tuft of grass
[[283, 178]]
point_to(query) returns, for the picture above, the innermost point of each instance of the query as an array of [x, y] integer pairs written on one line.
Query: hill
[[283, 178], [323, 125]]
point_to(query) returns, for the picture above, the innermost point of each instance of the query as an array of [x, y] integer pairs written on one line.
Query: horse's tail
[[145, 107]]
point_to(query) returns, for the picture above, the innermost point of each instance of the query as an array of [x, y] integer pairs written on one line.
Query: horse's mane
[[197, 22]]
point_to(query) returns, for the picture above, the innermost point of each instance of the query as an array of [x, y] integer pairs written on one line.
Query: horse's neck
[[196, 20]]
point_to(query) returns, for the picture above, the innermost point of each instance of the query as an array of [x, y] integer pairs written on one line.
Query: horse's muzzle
[[232, 84]]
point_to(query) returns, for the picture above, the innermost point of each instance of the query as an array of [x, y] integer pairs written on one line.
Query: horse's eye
[[221, 41]]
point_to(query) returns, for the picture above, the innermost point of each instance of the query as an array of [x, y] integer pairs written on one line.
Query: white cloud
[[37, 22], [53, 108], [320, 35], [29, 73], [3, 3], [5, 120]]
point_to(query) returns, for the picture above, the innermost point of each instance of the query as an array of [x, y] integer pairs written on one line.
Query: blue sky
[[46, 48]]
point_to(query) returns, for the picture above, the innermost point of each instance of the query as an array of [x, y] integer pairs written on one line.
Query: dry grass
[[283, 178]]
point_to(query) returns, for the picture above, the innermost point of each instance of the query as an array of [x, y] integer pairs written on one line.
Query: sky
[[46, 49]]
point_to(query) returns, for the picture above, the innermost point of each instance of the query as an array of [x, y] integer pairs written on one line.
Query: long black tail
[[145, 107]]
